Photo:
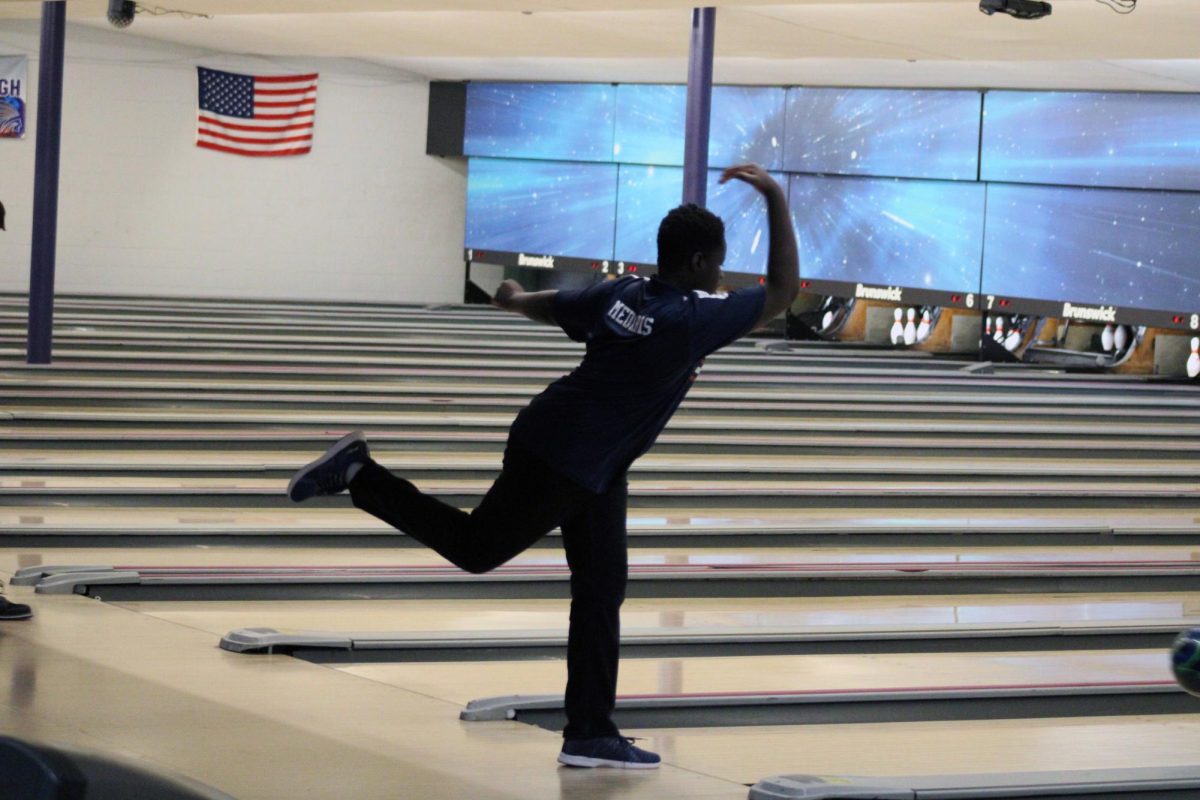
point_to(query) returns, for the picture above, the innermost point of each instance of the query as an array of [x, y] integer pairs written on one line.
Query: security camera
[[120, 12], [1021, 9]]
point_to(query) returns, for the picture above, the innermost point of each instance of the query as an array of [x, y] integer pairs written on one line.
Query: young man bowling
[[569, 450]]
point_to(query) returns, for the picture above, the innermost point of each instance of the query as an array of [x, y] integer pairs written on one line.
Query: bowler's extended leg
[[526, 502]]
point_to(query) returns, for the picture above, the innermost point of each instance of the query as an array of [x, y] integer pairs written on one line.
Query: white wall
[[365, 216]]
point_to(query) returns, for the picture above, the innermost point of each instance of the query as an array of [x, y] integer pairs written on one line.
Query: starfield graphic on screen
[[887, 231], [1134, 140], [569, 121], [541, 207], [646, 194], [1132, 249], [746, 125], [883, 132]]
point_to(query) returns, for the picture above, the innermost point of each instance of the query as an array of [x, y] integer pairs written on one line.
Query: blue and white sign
[[13, 94]]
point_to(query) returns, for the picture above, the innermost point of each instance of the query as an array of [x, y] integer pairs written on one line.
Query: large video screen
[[889, 232], [647, 193], [553, 207], [746, 125], [1135, 140], [1126, 248], [883, 132], [747, 232], [644, 195], [570, 121]]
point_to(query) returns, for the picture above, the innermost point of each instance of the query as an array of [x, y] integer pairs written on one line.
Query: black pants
[[526, 502]]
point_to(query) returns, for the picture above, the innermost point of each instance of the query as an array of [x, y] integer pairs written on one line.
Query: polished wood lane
[[31, 484], [683, 614], [97, 676], [982, 746], [461, 682], [183, 520], [241, 460], [898, 558]]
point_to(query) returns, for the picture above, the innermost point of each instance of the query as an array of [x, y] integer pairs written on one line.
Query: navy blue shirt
[[646, 340]]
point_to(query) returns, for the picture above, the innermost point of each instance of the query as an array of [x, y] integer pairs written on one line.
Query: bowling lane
[[507, 326], [94, 676], [284, 522], [533, 364], [504, 354], [198, 435], [251, 345], [869, 422], [744, 396], [745, 755], [896, 378], [31, 485], [407, 462], [230, 555], [683, 614], [461, 682]]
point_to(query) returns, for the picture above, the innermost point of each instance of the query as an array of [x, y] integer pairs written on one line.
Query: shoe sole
[[329, 455], [21, 616], [585, 761]]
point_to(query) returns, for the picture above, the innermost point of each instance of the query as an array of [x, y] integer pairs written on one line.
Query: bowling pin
[[923, 328], [987, 331], [827, 320], [1106, 338], [998, 336], [910, 330], [898, 328], [1120, 337], [1013, 340], [1193, 362]]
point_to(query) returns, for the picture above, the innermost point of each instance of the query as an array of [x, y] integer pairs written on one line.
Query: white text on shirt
[[630, 320]]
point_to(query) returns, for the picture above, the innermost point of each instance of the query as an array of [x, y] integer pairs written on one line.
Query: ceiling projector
[[1021, 9]]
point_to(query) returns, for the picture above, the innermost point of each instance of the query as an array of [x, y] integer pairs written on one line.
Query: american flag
[[253, 115]]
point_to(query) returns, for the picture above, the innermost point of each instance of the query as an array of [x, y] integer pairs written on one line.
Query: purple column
[[699, 106], [45, 182]]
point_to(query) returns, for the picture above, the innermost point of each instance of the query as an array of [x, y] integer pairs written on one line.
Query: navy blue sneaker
[[327, 475], [11, 610], [607, 751]]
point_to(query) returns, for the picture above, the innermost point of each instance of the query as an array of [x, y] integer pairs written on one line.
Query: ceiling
[[1083, 44]]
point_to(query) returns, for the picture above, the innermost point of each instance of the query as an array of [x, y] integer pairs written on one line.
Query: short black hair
[[686, 230]]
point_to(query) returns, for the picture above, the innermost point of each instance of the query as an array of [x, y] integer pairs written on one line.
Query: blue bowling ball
[[1185, 660]]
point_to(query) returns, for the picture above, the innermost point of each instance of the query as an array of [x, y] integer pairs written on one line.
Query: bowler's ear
[[696, 263]]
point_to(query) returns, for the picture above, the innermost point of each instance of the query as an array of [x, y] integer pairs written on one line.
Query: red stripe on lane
[[271, 128], [285, 78], [237, 151], [252, 140]]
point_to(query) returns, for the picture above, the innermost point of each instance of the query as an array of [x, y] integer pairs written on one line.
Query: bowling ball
[[1185, 660]]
